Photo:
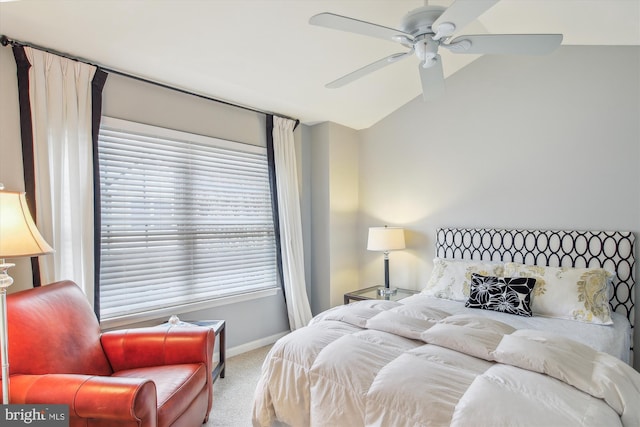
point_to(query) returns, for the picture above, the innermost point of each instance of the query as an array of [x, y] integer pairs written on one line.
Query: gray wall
[[252, 323], [11, 173], [249, 324], [541, 142], [549, 142], [333, 225], [130, 99]]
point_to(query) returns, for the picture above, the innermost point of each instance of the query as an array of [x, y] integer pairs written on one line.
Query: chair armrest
[[112, 398], [157, 346]]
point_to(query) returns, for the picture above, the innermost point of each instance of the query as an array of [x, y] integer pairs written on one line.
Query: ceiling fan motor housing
[[418, 21]]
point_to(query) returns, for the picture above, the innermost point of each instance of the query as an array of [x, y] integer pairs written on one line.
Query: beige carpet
[[233, 395]]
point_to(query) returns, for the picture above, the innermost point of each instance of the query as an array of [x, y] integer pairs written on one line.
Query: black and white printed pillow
[[506, 294]]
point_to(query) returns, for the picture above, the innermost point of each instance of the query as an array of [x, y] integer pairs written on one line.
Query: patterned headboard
[[612, 250]]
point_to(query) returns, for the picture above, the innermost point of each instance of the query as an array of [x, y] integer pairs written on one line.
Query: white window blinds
[[184, 219]]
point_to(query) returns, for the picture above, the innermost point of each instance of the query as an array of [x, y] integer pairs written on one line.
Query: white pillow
[[580, 294], [451, 278]]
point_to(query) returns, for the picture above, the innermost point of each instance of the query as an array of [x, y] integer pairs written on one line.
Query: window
[[184, 219]]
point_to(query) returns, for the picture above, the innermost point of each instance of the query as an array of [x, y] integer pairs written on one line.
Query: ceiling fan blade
[[361, 72], [343, 23], [515, 44], [432, 80], [460, 13]]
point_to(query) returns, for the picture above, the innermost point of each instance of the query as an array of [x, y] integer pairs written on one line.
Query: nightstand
[[372, 293]]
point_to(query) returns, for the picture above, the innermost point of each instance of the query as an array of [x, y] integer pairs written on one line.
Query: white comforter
[[381, 363]]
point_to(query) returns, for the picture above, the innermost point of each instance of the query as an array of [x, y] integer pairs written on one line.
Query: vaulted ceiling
[[265, 55]]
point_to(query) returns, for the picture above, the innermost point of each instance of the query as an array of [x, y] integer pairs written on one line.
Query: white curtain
[[60, 98], [295, 289]]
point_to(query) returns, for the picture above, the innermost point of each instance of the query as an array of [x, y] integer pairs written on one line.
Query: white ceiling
[[264, 54]]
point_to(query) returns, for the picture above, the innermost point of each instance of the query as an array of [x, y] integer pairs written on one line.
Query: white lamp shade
[[385, 239], [19, 236]]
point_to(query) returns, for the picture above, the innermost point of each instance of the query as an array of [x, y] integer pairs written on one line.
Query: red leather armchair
[[138, 377]]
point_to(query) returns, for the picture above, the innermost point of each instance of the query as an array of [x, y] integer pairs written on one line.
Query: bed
[[514, 327]]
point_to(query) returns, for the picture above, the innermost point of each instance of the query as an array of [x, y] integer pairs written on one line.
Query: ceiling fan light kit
[[426, 50], [426, 29]]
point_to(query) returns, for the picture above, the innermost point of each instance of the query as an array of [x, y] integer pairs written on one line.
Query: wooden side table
[[218, 327], [372, 293]]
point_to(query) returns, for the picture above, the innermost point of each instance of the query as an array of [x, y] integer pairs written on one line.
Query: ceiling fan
[[425, 29]]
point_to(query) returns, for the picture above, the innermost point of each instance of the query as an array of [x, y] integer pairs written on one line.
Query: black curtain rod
[[5, 41]]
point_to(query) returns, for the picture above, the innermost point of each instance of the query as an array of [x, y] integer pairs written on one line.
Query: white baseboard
[[243, 348]]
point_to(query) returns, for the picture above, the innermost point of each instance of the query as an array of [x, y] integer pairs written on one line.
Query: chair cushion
[[177, 386]]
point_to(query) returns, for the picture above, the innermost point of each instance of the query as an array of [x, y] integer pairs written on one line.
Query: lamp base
[[385, 292], [5, 279], [5, 282]]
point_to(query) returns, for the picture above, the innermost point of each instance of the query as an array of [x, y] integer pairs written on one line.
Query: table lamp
[[19, 237], [386, 239]]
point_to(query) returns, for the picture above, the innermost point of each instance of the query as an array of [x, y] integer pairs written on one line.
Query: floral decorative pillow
[[505, 294], [580, 294], [451, 279]]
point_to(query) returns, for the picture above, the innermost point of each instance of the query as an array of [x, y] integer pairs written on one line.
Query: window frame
[[155, 313]]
